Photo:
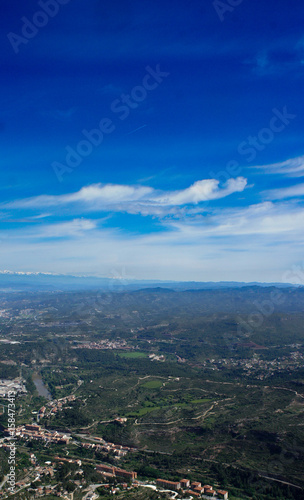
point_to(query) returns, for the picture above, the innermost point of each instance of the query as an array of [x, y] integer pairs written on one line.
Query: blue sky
[[195, 167]]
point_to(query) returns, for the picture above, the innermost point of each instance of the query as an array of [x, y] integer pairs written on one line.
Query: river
[[41, 388]]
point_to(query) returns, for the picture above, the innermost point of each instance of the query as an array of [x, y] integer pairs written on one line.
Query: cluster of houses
[[42, 470], [194, 489], [118, 450], [33, 431], [47, 470], [41, 491], [54, 406], [102, 344]]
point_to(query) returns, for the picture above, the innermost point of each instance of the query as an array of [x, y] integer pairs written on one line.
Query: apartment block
[[170, 485]]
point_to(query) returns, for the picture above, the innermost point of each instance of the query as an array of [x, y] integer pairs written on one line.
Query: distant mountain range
[[11, 281]]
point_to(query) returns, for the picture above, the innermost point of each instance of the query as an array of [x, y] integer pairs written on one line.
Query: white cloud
[[134, 199], [293, 167], [264, 219], [75, 227], [204, 190], [67, 229], [290, 192], [96, 193], [275, 222]]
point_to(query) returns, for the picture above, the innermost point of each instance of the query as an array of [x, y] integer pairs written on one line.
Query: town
[[183, 488], [102, 344]]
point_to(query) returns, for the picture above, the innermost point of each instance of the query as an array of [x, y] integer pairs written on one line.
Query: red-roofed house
[[185, 483], [222, 494]]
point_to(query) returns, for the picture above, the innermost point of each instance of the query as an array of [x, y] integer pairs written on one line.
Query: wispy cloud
[[296, 191], [264, 219], [75, 228], [294, 167], [134, 199]]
